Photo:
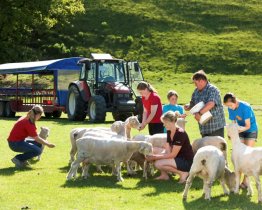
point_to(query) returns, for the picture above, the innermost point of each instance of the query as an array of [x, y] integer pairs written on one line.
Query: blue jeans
[[29, 149]]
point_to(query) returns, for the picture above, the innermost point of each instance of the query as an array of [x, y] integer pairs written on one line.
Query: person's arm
[[143, 125], [43, 141], [246, 127], [150, 117], [171, 155]]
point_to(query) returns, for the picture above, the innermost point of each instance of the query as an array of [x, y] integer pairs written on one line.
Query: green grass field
[[45, 186]]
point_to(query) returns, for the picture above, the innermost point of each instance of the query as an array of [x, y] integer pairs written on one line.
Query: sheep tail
[[203, 162], [223, 146]]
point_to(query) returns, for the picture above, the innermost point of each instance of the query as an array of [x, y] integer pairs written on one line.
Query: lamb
[[216, 141], [247, 160], [208, 164], [157, 140], [119, 127], [44, 133], [105, 152]]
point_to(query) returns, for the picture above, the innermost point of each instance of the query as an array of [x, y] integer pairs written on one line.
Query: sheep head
[[232, 130], [117, 127], [146, 148], [44, 132], [230, 179], [133, 122]]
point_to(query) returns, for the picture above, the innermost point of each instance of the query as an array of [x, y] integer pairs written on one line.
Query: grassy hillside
[[178, 35]]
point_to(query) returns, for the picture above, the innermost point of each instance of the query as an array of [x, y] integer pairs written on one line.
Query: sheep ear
[[41, 127]]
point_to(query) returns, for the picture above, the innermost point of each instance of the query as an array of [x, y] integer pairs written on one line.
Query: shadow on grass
[[232, 201], [105, 180], [170, 185], [10, 171]]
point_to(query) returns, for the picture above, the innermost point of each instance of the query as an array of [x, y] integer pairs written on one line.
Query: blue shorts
[[183, 164], [248, 135]]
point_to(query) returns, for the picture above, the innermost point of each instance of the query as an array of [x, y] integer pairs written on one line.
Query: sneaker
[[26, 164], [18, 163]]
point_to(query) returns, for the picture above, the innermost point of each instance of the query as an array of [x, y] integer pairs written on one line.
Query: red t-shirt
[[153, 99], [22, 129]]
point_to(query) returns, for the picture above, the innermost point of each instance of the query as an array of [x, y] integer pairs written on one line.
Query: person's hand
[[183, 115], [149, 157], [197, 117], [50, 145], [142, 126], [187, 107]]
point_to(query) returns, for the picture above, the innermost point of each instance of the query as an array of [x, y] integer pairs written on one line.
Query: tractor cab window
[[91, 74], [110, 72]]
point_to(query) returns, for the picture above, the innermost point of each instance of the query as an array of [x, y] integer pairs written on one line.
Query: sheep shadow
[[104, 180], [162, 186], [240, 201]]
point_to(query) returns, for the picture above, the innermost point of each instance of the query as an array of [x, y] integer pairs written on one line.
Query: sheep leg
[[73, 170], [222, 182], [42, 149], [72, 154], [258, 185], [188, 185], [118, 169], [145, 169], [130, 171], [99, 169], [209, 184], [85, 170], [249, 187], [237, 173]]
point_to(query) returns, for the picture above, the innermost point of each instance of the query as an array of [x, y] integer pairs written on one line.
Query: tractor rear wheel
[[76, 107], [2, 109], [48, 114], [8, 110], [97, 109]]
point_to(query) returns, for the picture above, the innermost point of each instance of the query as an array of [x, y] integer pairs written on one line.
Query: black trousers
[[154, 128]]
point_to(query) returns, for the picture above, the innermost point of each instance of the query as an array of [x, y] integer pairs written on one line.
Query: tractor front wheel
[[97, 109]]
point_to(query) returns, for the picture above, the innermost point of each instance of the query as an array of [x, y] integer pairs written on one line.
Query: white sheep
[[105, 152], [217, 141], [119, 127], [246, 160], [208, 164]]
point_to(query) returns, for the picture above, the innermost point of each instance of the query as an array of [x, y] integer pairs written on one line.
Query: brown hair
[[230, 97], [199, 75], [170, 116], [36, 109], [144, 85], [171, 93]]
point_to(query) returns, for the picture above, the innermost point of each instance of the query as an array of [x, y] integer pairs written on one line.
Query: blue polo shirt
[[243, 112]]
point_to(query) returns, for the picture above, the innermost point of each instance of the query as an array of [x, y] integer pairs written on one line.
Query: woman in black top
[[179, 155]]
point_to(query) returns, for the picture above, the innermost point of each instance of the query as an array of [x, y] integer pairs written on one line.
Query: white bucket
[[197, 107], [205, 118]]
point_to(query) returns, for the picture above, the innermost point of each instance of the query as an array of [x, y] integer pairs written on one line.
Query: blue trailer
[[19, 95]]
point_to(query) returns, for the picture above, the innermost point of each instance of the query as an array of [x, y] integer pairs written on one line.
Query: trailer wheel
[[121, 116], [97, 109], [76, 107], [8, 110], [2, 109], [57, 113], [48, 114]]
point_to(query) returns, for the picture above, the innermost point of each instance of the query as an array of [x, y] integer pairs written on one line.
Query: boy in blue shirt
[[172, 97]]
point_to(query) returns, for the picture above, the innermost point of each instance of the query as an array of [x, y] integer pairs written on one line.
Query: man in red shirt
[[23, 128]]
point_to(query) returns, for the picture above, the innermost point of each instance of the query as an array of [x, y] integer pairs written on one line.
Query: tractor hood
[[117, 87]]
